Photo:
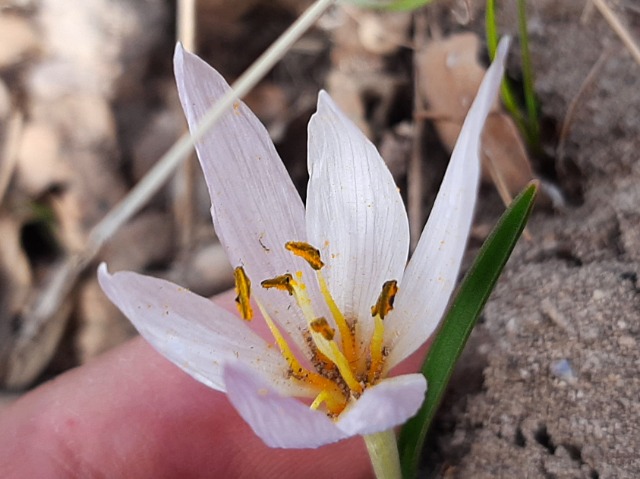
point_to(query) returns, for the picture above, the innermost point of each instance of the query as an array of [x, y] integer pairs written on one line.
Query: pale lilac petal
[[255, 207], [432, 272], [192, 332], [279, 421], [387, 404], [355, 214]]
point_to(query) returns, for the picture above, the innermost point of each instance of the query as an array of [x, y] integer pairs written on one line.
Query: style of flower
[[330, 281]]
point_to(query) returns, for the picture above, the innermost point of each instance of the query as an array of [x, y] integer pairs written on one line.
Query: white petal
[[255, 207], [192, 332], [387, 404], [431, 274], [279, 421], [355, 214]]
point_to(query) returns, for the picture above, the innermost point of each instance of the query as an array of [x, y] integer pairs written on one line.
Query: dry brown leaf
[[40, 166], [101, 326], [449, 77], [15, 281], [22, 355], [18, 39], [359, 77]]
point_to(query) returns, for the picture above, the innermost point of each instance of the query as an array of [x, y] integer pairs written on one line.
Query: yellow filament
[[299, 292], [243, 290], [320, 398], [331, 350], [382, 307], [307, 252], [348, 341], [328, 348], [333, 397], [377, 357]]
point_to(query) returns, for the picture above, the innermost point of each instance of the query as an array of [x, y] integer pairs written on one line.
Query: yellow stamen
[[382, 307], [320, 325], [243, 289], [283, 283], [320, 398], [334, 398], [385, 300], [307, 252], [377, 358], [348, 341], [328, 348], [331, 350]]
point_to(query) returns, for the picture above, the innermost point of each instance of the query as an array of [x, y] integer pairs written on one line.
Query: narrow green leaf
[[527, 77], [459, 321], [491, 28], [506, 91]]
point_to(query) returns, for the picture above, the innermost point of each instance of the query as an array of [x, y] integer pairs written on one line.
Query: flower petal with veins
[[385, 405], [278, 420], [255, 207], [356, 219], [355, 214], [192, 332], [431, 274]]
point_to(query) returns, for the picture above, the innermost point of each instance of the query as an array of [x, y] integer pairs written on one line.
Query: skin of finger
[[131, 413]]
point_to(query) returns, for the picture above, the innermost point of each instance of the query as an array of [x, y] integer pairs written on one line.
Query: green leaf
[[527, 124], [394, 5], [459, 321], [527, 77], [506, 91]]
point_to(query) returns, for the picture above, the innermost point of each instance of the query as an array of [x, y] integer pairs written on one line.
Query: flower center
[[341, 371]]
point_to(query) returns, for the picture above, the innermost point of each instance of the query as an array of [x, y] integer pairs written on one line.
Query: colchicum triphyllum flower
[[330, 281]]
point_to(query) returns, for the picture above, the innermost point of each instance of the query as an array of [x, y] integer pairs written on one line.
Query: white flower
[[326, 376]]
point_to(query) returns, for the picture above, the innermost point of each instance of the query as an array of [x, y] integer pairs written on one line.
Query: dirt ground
[[549, 384]]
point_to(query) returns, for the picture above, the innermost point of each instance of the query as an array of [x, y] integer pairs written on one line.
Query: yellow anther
[[307, 252], [243, 290], [321, 326], [385, 300], [283, 283], [379, 311]]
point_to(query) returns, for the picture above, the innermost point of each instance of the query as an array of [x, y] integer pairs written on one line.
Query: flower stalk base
[[383, 451]]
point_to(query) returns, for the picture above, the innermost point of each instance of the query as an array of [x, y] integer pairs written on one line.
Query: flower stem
[[383, 451]]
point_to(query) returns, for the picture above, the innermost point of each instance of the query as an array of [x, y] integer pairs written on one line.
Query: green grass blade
[[527, 77], [492, 28], [506, 92], [459, 321]]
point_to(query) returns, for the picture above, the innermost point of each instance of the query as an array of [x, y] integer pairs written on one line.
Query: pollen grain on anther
[[282, 282], [307, 252], [243, 291], [321, 325], [385, 301]]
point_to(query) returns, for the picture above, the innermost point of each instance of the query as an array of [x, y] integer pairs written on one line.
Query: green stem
[[383, 451]]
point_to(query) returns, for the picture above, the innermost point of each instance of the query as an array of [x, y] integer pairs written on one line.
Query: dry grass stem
[[619, 28], [568, 118]]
